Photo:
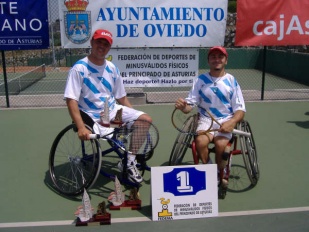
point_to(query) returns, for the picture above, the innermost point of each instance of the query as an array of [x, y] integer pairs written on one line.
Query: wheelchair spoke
[[182, 142], [249, 154], [74, 164]]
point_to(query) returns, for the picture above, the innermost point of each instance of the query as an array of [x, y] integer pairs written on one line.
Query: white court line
[[264, 211], [146, 219], [293, 90]]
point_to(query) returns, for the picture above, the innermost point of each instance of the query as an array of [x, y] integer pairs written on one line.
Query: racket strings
[[139, 138], [182, 121]]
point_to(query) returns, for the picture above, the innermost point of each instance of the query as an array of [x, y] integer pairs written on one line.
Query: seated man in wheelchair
[[220, 93], [91, 82]]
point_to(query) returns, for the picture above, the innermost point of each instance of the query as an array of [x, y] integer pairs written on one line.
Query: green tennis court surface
[[279, 202]]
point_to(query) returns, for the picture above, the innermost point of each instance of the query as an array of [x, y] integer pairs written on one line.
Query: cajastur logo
[[165, 214], [77, 21]]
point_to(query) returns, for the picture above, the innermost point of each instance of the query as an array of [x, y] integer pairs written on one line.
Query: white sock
[[131, 158]]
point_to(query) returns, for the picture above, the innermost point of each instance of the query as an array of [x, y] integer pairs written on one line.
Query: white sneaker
[[120, 165], [132, 171], [224, 183]]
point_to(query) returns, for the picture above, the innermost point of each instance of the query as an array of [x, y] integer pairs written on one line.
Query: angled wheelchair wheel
[[182, 142], [74, 165], [249, 153]]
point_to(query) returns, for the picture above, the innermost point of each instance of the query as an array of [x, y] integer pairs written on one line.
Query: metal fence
[[245, 64], [263, 74]]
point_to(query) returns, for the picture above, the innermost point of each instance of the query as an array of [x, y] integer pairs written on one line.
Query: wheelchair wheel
[[249, 153], [74, 165], [182, 142]]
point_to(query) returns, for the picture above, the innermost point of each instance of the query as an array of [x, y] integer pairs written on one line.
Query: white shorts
[[204, 123], [128, 114]]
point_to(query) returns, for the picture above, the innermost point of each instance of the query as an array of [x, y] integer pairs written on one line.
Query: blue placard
[[184, 181], [23, 25], [184, 192]]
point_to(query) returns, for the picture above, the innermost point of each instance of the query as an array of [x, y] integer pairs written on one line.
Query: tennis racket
[[179, 118], [138, 136]]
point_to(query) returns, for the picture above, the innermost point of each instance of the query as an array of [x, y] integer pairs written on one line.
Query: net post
[[5, 80], [263, 74]]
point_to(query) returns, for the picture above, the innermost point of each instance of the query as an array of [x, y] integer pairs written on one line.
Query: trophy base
[[96, 220], [128, 204]]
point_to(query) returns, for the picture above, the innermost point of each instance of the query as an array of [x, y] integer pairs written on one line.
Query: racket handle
[[239, 132], [94, 136]]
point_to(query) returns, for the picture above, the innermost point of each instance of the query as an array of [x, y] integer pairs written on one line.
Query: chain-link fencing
[[36, 78]]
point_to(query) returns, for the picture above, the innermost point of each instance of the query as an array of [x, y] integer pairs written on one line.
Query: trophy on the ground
[[117, 198], [86, 216], [102, 215]]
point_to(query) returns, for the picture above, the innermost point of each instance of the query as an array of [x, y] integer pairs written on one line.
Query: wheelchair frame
[[247, 150], [74, 165]]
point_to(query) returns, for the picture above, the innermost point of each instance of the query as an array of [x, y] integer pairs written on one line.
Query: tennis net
[[20, 83]]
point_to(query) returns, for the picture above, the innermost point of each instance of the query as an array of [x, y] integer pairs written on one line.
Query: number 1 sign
[[184, 192]]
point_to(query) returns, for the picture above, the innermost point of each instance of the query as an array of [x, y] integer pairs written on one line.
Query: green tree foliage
[[232, 6]]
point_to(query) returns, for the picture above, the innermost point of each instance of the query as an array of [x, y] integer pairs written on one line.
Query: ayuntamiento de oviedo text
[[156, 21]]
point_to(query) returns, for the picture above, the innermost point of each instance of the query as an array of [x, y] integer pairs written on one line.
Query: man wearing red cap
[[94, 83], [219, 93]]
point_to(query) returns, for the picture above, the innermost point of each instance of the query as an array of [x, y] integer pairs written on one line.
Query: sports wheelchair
[[74, 164], [247, 150]]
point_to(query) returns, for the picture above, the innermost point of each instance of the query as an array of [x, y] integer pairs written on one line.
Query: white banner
[[184, 192], [156, 67], [140, 23]]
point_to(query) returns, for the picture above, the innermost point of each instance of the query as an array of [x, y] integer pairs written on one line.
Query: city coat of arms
[[77, 21]]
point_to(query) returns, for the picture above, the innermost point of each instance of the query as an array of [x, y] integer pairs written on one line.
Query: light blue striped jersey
[[222, 97], [90, 85]]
